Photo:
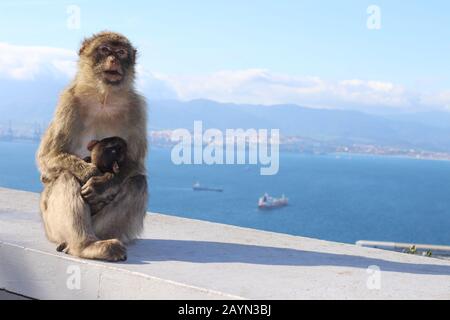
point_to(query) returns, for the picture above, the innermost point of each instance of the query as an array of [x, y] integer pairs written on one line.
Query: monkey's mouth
[[113, 72], [112, 76]]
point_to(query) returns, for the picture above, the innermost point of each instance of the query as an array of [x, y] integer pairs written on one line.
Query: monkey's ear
[[92, 144], [134, 55], [84, 45]]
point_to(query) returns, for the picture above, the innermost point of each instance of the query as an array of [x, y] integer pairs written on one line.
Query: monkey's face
[[112, 62], [110, 56]]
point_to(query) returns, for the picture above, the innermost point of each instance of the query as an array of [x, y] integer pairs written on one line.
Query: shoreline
[[282, 150]]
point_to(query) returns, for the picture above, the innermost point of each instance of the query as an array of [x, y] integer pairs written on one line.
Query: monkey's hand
[[98, 191], [89, 170]]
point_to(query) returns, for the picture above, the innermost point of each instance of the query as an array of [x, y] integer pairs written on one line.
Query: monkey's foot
[[61, 247], [110, 250]]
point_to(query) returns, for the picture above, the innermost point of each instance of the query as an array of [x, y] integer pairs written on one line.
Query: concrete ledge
[[5, 295], [181, 258]]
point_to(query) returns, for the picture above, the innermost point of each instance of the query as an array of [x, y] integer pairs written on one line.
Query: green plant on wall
[[413, 250]]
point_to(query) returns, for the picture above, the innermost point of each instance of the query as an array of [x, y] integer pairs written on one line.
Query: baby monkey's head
[[108, 154]]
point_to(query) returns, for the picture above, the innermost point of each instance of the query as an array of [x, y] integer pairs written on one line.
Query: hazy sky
[[290, 41]]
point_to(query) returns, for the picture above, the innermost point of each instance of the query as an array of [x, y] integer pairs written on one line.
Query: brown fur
[[93, 108]]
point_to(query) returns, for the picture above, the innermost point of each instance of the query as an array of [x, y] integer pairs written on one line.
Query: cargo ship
[[268, 202], [197, 187]]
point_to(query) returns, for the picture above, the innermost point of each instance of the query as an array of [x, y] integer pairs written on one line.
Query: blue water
[[345, 198]]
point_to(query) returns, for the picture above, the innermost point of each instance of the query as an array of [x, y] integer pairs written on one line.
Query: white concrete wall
[[181, 258]]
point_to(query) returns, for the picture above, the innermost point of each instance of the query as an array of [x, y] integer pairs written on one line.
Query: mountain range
[[427, 130]]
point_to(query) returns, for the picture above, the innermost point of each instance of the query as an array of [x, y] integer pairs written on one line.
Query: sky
[[314, 53]]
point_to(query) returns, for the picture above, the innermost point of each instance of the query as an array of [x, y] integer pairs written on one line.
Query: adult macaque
[[100, 102]]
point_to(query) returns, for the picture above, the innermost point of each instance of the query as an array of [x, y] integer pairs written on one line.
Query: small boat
[[268, 202], [197, 187]]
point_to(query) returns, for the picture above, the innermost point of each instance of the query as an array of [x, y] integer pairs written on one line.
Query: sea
[[333, 197]]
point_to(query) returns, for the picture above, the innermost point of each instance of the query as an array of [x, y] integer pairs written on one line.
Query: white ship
[[268, 202]]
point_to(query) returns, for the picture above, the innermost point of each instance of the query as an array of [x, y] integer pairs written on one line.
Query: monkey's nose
[[112, 59]]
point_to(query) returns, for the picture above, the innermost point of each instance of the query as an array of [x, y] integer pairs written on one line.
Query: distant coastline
[[304, 145], [399, 156], [294, 144]]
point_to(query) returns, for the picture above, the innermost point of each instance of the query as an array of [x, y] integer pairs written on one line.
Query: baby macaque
[[108, 154]]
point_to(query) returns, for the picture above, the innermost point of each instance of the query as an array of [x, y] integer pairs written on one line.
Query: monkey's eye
[[122, 53], [104, 50]]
